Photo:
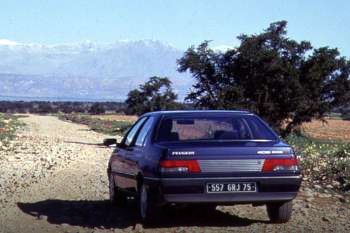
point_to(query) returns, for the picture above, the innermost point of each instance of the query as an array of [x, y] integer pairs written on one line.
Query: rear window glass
[[245, 127]]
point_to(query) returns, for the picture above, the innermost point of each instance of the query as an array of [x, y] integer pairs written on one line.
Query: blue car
[[205, 158]]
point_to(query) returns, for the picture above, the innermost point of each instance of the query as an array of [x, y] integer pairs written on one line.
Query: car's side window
[[144, 132], [130, 136]]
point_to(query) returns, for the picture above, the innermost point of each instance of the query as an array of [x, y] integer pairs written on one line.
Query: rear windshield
[[238, 128]]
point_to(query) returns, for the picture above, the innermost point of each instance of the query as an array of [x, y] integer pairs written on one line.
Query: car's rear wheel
[[147, 206], [279, 212], [116, 196]]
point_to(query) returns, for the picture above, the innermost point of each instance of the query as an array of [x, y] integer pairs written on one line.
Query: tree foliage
[[97, 108], [284, 81], [156, 94]]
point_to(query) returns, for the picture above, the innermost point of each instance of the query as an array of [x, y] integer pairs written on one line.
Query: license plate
[[231, 187]]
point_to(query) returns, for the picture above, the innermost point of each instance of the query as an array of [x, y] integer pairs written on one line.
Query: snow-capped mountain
[[86, 70]]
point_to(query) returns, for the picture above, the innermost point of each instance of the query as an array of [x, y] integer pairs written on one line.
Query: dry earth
[[54, 180], [331, 129]]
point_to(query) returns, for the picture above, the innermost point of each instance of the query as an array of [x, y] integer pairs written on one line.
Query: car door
[[123, 162], [139, 157]]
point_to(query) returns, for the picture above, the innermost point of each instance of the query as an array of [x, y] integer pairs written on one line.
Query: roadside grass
[[9, 124], [324, 152], [110, 127], [116, 117], [324, 162]]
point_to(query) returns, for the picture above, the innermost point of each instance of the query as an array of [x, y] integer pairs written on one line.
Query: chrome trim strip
[[123, 174], [225, 178], [151, 178]]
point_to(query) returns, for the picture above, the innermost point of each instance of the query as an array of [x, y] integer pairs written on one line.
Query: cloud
[[8, 42]]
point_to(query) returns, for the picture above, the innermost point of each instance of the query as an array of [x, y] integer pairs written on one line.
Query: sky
[[181, 23]]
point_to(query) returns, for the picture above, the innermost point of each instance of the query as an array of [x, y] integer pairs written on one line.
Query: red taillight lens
[[290, 164], [179, 166]]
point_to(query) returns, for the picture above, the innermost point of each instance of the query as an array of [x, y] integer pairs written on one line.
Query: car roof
[[197, 112]]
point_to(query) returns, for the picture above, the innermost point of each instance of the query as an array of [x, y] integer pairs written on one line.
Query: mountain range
[[86, 70]]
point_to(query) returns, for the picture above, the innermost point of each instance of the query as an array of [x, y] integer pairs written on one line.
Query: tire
[[279, 212], [146, 205], [116, 196]]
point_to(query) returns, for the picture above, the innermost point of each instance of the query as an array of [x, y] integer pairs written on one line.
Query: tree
[[45, 108], [96, 109], [156, 94], [284, 81]]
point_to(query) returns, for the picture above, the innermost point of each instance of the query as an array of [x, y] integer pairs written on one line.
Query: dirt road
[[54, 180]]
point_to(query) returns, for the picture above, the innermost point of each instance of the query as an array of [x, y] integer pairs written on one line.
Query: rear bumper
[[235, 198], [193, 190]]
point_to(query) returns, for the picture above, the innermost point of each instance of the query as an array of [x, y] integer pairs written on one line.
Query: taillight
[[290, 164], [179, 166]]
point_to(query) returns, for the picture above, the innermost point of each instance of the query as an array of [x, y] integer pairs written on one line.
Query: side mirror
[[110, 141]]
